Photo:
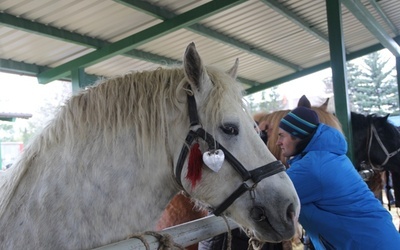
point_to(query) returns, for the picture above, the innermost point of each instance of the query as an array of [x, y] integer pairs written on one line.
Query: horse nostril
[[257, 213], [290, 212]]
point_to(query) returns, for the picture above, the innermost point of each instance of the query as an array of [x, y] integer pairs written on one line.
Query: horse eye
[[230, 129]]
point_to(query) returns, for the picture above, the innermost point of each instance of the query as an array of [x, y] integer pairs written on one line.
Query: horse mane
[[138, 104]]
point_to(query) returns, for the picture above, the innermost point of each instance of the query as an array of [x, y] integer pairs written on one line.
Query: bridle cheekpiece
[[250, 178]]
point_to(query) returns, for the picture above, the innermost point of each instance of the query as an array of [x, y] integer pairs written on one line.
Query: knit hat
[[300, 122]]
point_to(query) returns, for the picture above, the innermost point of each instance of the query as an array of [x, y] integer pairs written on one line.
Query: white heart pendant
[[214, 159]]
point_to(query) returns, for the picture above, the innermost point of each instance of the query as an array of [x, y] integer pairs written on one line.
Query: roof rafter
[[315, 68], [281, 9], [71, 37], [23, 68], [130, 42], [163, 14], [363, 15], [384, 16]]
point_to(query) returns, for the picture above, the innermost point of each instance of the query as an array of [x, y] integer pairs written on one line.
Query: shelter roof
[[275, 40]]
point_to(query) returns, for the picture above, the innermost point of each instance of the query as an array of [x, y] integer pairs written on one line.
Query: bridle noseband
[[374, 134], [250, 178]]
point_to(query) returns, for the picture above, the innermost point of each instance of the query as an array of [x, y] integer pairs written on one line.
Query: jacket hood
[[327, 138]]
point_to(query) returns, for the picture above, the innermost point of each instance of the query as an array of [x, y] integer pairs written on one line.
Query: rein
[[250, 178], [374, 134]]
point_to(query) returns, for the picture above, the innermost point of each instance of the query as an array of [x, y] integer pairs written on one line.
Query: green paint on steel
[[163, 14], [281, 9], [11, 66], [147, 8], [64, 35], [45, 30], [188, 18], [70, 37], [314, 69], [366, 18], [21, 68], [338, 59]]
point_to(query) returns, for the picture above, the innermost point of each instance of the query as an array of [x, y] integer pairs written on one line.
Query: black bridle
[[250, 178], [374, 134]]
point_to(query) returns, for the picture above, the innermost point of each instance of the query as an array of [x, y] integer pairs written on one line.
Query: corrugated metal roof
[[272, 39]]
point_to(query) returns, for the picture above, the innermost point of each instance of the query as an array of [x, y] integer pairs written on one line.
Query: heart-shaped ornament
[[214, 159]]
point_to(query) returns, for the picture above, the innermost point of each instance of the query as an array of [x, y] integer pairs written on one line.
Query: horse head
[[229, 168], [379, 141], [114, 154]]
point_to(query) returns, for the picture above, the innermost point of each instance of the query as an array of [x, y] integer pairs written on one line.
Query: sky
[[23, 94]]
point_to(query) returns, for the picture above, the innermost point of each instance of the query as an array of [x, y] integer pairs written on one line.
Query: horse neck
[[126, 191]]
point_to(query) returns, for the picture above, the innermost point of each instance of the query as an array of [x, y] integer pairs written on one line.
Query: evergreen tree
[[372, 88], [271, 103], [7, 132], [251, 105]]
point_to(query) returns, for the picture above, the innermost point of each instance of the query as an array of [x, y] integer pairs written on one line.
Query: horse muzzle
[[270, 229]]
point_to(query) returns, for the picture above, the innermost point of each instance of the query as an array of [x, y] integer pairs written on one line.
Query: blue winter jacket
[[338, 211]]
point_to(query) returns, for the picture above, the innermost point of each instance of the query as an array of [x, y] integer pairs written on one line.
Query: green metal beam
[[46, 30], [204, 31], [398, 77], [188, 18], [22, 68], [316, 68], [281, 9], [363, 15], [11, 66], [148, 8], [338, 65], [384, 17], [7, 120], [287, 78], [70, 37], [163, 14], [14, 67]]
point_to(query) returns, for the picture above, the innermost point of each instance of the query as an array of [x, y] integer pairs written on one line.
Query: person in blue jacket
[[338, 211]]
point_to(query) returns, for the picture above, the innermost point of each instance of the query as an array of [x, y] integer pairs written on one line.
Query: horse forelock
[[225, 92]]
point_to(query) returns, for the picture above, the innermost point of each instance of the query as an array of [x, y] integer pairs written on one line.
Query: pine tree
[[273, 102], [372, 88]]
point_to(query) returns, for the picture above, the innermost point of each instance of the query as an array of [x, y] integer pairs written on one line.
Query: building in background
[[9, 151]]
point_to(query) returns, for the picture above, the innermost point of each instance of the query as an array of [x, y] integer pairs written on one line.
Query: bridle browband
[[250, 178], [373, 133]]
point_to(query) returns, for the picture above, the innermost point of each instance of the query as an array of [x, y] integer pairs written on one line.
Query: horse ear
[[324, 106], [194, 69], [386, 117], [233, 71], [304, 102]]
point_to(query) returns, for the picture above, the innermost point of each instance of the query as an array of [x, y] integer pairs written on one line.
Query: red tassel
[[195, 164]]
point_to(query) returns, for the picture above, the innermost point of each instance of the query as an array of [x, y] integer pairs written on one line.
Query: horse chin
[[271, 229], [264, 232]]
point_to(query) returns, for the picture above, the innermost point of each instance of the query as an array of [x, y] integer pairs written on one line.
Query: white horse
[[114, 155]]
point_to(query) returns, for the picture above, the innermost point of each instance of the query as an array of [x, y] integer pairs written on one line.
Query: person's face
[[287, 143]]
